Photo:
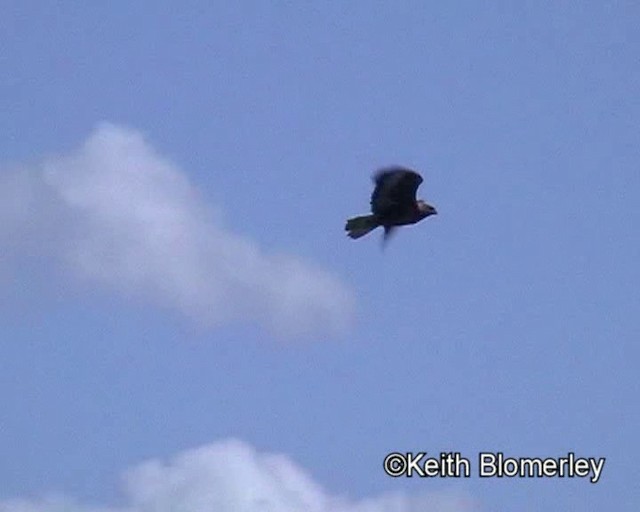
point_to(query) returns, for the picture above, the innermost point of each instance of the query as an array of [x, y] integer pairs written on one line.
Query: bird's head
[[425, 209]]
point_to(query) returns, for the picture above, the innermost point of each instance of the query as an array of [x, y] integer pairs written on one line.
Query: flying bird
[[393, 203]]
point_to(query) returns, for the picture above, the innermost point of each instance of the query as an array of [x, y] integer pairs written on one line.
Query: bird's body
[[393, 203]]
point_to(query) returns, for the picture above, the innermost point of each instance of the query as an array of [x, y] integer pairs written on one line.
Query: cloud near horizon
[[231, 476], [118, 214]]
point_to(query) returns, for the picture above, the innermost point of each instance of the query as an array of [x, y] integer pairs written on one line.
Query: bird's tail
[[359, 226]]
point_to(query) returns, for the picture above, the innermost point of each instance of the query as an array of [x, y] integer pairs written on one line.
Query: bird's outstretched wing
[[394, 187]]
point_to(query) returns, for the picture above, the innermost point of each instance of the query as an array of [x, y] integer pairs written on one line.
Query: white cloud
[[232, 476], [118, 214]]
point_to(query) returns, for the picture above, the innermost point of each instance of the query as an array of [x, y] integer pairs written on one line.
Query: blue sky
[[176, 284]]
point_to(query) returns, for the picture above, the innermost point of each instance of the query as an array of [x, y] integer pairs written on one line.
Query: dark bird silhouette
[[393, 203]]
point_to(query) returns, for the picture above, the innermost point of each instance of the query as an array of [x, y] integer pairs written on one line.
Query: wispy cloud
[[117, 213], [232, 476]]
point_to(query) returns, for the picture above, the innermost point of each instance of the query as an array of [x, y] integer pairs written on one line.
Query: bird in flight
[[393, 203]]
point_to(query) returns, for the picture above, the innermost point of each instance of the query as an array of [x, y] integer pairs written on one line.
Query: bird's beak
[[434, 212]]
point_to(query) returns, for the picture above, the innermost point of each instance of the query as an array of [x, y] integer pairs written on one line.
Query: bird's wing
[[394, 186]]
